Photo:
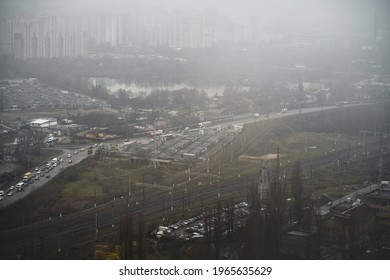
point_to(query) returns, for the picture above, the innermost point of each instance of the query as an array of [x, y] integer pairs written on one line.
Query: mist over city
[[194, 130]]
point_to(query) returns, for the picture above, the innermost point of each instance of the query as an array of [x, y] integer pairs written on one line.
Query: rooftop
[[42, 121]]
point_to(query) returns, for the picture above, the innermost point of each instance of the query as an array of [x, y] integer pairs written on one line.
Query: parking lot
[[29, 94], [196, 227]]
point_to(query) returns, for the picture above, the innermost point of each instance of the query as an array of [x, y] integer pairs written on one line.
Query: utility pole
[[189, 171], [219, 189], [380, 168], [143, 187], [96, 224], [94, 194], [171, 194], [129, 194], [163, 209], [183, 206], [189, 200], [154, 160]]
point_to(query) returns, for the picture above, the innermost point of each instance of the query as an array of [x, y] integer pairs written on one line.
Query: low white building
[[43, 123]]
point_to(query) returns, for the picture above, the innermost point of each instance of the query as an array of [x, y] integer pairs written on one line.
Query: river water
[[136, 89]]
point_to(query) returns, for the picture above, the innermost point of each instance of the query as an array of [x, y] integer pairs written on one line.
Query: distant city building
[[72, 36], [44, 37], [308, 41]]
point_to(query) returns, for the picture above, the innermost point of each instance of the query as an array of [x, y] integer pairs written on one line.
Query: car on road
[[48, 175], [70, 161], [11, 188], [69, 156], [82, 150], [75, 152], [1, 192], [10, 193]]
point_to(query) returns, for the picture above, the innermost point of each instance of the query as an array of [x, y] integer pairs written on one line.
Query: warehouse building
[[43, 123]]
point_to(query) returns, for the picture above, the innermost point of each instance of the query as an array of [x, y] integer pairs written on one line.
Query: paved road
[[249, 118], [76, 158], [323, 210]]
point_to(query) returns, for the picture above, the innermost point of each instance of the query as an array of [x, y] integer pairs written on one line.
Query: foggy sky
[[353, 14]]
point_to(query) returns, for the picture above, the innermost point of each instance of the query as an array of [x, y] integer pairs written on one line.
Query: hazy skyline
[[333, 15]]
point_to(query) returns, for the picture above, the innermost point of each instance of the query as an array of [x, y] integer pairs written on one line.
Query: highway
[[250, 117], [323, 210], [18, 195]]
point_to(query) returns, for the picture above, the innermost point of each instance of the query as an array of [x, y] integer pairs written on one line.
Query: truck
[[27, 176], [19, 186]]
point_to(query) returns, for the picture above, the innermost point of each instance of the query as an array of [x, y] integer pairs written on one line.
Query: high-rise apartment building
[[44, 37], [70, 36]]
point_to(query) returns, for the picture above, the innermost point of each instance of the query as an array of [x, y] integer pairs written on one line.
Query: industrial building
[[43, 123]]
